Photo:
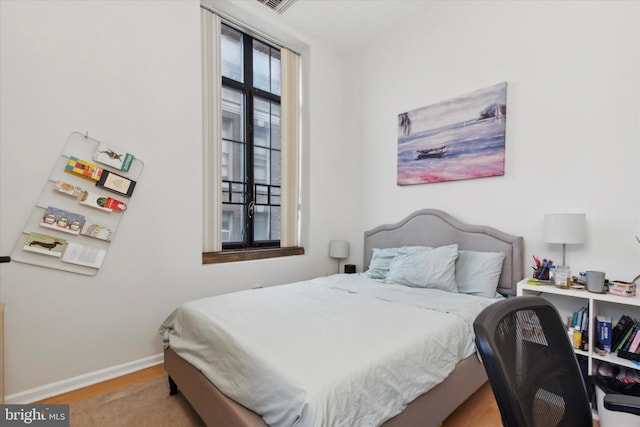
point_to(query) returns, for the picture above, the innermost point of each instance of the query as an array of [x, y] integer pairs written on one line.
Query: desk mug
[[595, 281]]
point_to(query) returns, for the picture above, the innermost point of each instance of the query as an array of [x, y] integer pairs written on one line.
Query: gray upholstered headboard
[[430, 227]]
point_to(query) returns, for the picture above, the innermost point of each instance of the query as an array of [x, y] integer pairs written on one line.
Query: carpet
[[139, 405]]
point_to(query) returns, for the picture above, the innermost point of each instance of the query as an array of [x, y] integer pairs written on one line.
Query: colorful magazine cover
[[62, 220], [110, 155], [83, 168], [45, 244]]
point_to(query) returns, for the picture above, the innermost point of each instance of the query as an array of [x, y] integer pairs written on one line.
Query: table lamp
[[338, 249], [565, 229]]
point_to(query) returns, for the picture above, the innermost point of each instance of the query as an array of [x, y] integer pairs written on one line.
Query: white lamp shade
[[338, 249], [565, 228]]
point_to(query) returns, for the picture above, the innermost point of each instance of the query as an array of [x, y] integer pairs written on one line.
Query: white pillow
[[381, 259], [477, 273], [430, 268]]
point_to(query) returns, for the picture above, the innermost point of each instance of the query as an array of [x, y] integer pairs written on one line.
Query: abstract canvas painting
[[462, 138]]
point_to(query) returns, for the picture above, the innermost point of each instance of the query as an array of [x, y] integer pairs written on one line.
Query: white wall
[[129, 73], [573, 134]]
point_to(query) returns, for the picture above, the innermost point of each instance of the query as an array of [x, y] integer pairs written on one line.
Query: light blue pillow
[[431, 268], [477, 273], [381, 259]]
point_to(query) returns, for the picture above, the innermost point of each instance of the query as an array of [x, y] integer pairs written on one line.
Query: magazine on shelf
[[104, 203], [87, 256], [110, 155], [68, 189], [45, 244], [62, 220], [96, 230], [116, 183], [83, 168]]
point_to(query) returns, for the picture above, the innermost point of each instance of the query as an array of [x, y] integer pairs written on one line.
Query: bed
[[354, 369]]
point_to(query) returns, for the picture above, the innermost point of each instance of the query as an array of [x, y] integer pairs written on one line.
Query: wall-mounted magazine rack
[[77, 215]]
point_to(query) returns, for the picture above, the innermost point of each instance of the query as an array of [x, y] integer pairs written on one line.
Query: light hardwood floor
[[480, 410], [106, 386]]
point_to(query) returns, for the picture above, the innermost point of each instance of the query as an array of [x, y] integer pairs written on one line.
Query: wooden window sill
[[234, 255]]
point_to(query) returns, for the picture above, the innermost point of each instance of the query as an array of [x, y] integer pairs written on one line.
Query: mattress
[[335, 350]]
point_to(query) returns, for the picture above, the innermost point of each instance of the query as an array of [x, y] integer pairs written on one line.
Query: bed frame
[[426, 227]]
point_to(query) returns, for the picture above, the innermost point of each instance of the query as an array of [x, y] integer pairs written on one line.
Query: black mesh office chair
[[532, 367]]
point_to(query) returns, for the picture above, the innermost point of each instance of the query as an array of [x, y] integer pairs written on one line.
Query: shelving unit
[[568, 301], [80, 146]]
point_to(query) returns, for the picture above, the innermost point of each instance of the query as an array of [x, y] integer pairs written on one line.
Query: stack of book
[[625, 338], [579, 328]]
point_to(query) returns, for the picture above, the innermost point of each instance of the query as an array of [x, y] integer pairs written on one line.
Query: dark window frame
[[250, 93]]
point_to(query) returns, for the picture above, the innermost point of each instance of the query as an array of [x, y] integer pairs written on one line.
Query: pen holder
[[541, 273]]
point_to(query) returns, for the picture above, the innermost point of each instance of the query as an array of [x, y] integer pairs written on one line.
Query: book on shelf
[[580, 319], [633, 346], [83, 168], [618, 332], [626, 336], [111, 155], [631, 336], [604, 333], [116, 183], [87, 256], [45, 244], [61, 220]]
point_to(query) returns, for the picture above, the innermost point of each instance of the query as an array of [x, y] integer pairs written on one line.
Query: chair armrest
[[622, 403]]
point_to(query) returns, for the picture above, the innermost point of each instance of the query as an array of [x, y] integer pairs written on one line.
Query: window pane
[[261, 223], [232, 115], [261, 66], [262, 195], [232, 223], [233, 147], [261, 122], [266, 224], [275, 196], [275, 168], [275, 126], [231, 54], [275, 71], [238, 193], [275, 222], [266, 123], [261, 165], [266, 68]]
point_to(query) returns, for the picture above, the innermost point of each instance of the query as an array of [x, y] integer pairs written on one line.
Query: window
[[250, 145], [250, 140]]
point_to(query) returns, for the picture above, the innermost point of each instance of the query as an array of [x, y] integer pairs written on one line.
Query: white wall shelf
[[568, 301], [82, 147]]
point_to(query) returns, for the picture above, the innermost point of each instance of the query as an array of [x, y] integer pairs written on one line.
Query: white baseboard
[[70, 384]]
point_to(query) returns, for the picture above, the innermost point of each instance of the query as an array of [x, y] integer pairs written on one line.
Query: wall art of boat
[[432, 153]]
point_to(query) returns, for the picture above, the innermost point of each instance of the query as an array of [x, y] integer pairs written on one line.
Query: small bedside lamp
[[338, 249], [565, 229]]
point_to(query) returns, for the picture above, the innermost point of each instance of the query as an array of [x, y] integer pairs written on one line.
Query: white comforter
[[342, 350]]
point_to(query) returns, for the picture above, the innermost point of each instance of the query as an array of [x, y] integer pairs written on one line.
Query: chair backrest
[[531, 365]]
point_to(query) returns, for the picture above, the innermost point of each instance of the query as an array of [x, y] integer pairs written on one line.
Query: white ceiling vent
[[278, 5]]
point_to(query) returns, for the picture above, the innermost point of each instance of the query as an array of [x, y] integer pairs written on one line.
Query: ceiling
[[342, 25], [347, 24]]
